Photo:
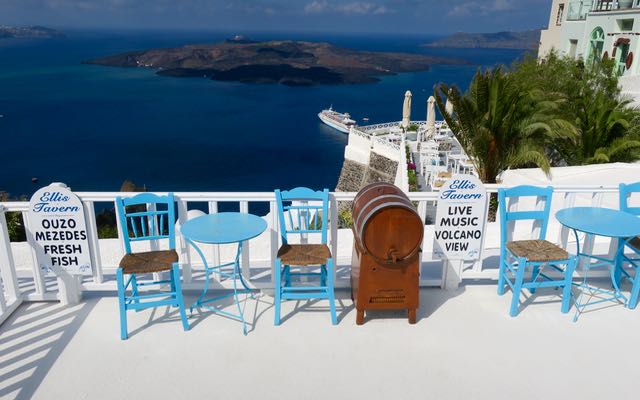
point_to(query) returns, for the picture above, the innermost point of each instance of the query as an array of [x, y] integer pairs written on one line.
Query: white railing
[[611, 5], [356, 130], [578, 10], [386, 143], [23, 281], [381, 141], [10, 297], [388, 125]]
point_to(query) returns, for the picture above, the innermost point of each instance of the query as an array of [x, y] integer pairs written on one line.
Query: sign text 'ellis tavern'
[[460, 217]]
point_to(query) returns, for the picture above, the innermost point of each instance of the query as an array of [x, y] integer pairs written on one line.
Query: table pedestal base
[[603, 295], [236, 275]]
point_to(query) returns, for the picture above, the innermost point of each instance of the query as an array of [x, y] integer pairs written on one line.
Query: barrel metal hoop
[[374, 186], [377, 186]]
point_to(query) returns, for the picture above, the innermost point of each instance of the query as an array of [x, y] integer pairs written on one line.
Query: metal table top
[[222, 228], [600, 221]]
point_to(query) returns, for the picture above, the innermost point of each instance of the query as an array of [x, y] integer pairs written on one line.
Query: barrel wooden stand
[[385, 266]]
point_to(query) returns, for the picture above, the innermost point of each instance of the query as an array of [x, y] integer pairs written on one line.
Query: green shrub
[[345, 219]]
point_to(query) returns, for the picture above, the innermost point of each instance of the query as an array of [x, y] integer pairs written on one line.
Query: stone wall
[[354, 175]]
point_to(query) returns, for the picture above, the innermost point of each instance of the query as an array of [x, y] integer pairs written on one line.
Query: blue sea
[[92, 127]]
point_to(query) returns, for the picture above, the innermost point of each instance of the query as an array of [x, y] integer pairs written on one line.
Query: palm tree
[[607, 128], [499, 125], [607, 131]]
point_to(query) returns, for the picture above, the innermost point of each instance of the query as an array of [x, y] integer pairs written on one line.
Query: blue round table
[[605, 222], [223, 228]]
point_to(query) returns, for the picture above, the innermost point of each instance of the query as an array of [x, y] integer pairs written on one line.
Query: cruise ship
[[336, 120]]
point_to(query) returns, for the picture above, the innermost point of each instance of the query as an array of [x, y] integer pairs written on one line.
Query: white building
[[592, 29]]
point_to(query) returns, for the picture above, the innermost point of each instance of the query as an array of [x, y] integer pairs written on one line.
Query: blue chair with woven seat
[[632, 243], [306, 213], [148, 217], [518, 257]]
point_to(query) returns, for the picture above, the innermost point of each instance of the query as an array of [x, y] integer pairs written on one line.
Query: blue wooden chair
[[632, 243], [147, 217], [306, 213], [518, 257]]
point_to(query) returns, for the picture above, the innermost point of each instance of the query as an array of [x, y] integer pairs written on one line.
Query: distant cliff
[[526, 40], [287, 62], [29, 32]]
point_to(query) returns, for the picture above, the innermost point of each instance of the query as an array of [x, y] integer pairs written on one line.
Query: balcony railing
[[22, 280], [578, 10], [614, 5]]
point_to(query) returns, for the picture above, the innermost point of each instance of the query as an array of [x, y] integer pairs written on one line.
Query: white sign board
[[58, 231], [460, 218]]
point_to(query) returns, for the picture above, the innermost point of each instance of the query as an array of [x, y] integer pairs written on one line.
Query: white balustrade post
[[563, 236], [38, 279], [333, 229], [451, 274], [537, 224], [512, 205], [587, 247], [119, 228], [3, 302], [274, 238], [477, 265], [422, 212], [7, 263], [185, 254], [213, 209], [94, 242], [246, 251], [154, 229]]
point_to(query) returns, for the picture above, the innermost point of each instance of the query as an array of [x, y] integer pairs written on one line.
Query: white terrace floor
[[465, 346]]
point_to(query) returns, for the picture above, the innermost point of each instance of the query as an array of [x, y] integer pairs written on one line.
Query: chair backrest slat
[[310, 217], [143, 224], [625, 191], [151, 220], [541, 217]]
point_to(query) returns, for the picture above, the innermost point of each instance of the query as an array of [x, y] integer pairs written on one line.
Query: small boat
[[336, 120], [365, 119]]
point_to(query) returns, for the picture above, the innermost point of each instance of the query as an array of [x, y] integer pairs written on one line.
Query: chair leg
[[134, 291], [175, 283], [122, 304], [501, 275], [534, 276], [635, 293], [277, 288], [568, 282], [323, 275], [331, 291], [635, 289], [517, 287], [287, 275]]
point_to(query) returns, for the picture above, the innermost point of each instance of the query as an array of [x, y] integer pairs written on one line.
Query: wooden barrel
[[385, 223]]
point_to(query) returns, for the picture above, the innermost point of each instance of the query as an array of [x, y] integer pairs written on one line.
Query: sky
[[357, 16]]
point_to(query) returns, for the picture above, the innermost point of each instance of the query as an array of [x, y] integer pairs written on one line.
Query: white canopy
[[431, 117], [406, 110]]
